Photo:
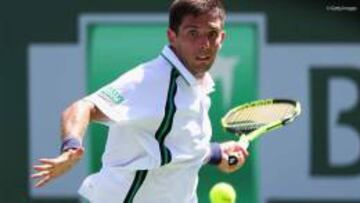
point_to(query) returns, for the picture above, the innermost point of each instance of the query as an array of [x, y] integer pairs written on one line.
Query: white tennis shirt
[[160, 115], [159, 134]]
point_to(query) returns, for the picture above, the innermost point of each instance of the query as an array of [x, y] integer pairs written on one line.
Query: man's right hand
[[49, 169], [232, 148]]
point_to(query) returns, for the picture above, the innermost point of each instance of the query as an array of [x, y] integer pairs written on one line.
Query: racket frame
[[245, 139]]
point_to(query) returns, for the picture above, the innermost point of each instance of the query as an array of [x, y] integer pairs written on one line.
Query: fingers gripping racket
[[254, 119]]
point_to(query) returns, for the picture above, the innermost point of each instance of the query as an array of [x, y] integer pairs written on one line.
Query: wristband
[[215, 154], [70, 142]]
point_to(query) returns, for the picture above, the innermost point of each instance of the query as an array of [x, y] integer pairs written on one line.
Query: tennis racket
[[253, 120]]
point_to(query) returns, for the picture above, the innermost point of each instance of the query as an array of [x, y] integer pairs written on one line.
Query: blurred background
[[54, 52]]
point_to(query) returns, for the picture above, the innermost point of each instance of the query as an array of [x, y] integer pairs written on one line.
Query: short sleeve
[[137, 96], [117, 99], [111, 101]]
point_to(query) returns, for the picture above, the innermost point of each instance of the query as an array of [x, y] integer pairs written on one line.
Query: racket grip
[[244, 143]]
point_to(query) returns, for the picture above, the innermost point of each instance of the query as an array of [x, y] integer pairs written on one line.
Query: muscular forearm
[[76, 118]]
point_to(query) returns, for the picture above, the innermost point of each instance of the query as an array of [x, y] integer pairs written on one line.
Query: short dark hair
[[181, 8]]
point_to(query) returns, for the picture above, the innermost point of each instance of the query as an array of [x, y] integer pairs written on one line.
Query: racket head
[[255, 115]]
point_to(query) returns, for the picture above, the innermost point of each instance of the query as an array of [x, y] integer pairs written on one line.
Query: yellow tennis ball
[[222, 193]]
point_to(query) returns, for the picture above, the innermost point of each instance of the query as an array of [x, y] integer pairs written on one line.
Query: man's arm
[[76, 118], [74, 122]]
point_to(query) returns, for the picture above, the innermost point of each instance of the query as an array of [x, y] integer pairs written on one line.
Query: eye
[[193, 33], [213, 35]]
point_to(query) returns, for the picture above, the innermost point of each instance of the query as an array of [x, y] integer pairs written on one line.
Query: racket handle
[[244, 143]]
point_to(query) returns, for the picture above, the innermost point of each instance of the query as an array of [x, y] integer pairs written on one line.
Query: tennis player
[[157, 114]]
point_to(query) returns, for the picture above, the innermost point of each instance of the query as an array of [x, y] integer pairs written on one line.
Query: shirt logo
[[112, 95]]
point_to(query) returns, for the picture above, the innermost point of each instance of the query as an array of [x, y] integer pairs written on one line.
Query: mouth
[[202, 58]]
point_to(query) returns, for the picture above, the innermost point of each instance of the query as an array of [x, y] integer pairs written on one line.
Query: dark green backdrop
[[26, 22]]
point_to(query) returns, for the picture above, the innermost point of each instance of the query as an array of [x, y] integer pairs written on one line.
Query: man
[[157, 113]]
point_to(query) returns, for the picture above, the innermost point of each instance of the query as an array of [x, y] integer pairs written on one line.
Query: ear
[[222, 38], [171, 36]]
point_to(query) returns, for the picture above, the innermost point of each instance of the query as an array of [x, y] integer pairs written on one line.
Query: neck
[[198, 76]]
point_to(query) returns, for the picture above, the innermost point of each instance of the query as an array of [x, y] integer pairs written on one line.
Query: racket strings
[[256, 116]]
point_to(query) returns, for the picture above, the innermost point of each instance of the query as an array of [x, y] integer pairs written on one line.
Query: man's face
[[197, 41]]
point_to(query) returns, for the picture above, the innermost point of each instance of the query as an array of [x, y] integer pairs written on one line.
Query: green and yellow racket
[[255, 119]]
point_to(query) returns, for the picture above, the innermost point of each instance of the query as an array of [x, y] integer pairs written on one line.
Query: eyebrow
[[191, 26], [194, 26]]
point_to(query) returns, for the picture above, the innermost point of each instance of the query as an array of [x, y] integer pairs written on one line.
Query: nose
[[204, 42]]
